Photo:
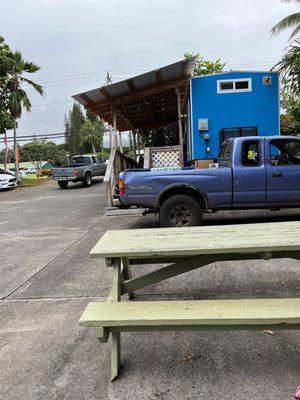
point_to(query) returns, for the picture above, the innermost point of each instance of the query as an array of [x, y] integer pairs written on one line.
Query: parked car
[[252, 172], [25, 171], [7, 179], [82, 169]]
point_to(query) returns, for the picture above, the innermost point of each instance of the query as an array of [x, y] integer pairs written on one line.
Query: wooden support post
[[127, 275], [138, 142], [114, 114], [179, 117], [120, 142], [110, 137], [115, 336], [134, 143]]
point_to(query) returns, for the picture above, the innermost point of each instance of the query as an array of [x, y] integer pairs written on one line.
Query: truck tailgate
[[64, 173]]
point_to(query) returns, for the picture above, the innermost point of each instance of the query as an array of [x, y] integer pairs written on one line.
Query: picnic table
[[182, 250]]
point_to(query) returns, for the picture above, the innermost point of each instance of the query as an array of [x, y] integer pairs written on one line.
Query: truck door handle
[[277, 174]]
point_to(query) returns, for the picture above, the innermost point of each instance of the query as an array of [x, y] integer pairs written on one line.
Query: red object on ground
[[297, 394]]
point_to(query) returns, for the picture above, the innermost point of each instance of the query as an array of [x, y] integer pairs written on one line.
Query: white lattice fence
[[166, 156]]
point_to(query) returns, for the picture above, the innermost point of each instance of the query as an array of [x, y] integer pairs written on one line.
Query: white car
[[7, 180]]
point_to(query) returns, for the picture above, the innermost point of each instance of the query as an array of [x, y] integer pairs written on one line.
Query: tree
[[43, 150], [290, 21], [91, 134], [75, 121], [289, 68], [205, 67], [18, 98]]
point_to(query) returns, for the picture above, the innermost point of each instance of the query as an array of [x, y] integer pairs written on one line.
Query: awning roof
[[145, 101]]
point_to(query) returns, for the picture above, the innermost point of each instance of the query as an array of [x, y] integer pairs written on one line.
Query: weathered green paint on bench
[[186, 249], [247, 238], [197, 312]]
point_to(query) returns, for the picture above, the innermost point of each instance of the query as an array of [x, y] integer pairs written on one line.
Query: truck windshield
[[81, 160]]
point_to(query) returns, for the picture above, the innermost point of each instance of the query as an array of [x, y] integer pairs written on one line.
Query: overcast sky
[[75, 42]]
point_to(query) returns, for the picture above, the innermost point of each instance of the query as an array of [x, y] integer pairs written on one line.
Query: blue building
[[231, 104]]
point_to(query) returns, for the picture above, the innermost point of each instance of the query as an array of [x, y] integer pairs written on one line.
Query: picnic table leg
[[115, 336], [127, 275]]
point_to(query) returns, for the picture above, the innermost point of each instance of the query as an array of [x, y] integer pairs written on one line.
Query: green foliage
[[205, 67], [91, 135], [291, 21], [6, 68], [18, 98], [289, 69], [43, 150], [290, 120], [72, 129]]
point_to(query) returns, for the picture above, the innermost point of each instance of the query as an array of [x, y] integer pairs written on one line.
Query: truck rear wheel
[[87, 180], [63, 184], [180, 210]]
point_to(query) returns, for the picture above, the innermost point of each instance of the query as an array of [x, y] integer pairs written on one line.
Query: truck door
[[249, 175], [283, 172]]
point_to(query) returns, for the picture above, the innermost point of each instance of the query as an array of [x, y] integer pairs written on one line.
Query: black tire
[[87, 180], [63, 184], [180, 210]]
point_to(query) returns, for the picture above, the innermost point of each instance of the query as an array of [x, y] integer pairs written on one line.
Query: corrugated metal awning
[[145, 101]]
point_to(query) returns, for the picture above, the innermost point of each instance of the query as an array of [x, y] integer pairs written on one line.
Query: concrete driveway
[[47, 279]]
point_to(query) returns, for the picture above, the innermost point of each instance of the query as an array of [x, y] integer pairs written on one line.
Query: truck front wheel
[[87, 180], [63, 184], [180, 210]]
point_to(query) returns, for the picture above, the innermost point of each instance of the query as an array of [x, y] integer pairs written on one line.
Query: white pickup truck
[[82, 169]]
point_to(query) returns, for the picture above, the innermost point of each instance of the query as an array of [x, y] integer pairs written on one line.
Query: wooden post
[[138, 142], [134, 143], [110, 137], [115, 336], [115, 143], [179, 116], [120, 142]]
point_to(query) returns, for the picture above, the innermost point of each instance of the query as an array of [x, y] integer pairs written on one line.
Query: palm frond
[[287, 22], [295, 31], [30, 67], [36, 86]]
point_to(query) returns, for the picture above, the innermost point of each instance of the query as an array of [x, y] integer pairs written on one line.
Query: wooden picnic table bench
[[185, 249]]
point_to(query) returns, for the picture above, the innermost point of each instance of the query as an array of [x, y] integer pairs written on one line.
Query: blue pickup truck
[[252, 172]]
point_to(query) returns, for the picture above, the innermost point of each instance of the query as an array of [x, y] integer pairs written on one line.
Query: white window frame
[[234, 90]]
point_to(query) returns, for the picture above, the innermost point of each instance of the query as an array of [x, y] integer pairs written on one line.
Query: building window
[[234, 85], [227, 133]]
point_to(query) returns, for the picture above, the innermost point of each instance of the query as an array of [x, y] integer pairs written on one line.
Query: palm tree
[[18, 98], [91, 134], [290, 21]]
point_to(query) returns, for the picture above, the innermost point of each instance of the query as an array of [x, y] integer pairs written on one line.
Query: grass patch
[[33, 180]]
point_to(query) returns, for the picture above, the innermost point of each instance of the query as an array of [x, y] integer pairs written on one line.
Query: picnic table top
[[219, 239]]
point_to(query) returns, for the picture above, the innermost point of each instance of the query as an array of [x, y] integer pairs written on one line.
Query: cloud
[[78, 41]]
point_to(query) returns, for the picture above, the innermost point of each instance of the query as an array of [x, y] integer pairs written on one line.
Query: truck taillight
[[121, 187]]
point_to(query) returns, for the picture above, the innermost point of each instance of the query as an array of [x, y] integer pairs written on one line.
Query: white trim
[[248, 72], [234, 90], [191, 122]]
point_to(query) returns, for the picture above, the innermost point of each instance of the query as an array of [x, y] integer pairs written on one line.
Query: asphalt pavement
[[47, 279]]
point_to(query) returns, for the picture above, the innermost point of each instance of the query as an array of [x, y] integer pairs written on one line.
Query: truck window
[[285, 152], [251, 153], [94, 159], [81, 160]]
